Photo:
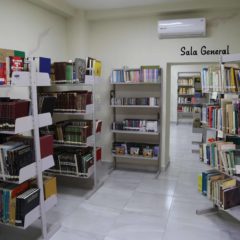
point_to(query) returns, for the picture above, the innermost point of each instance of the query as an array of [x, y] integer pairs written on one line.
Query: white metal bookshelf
[[33, 79], [89, 113], [235, 211], [151, 88]]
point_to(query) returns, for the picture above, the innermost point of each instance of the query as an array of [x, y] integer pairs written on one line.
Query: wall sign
[[203, 51]]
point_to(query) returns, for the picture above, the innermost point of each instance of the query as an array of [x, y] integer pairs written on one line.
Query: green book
[[69, 71]]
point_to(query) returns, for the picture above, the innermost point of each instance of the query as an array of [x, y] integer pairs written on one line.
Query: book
[[79, 69], [25, 203]]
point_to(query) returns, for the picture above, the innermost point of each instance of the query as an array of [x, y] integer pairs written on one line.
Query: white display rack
[[25, 124], [23, 79], [33, 79], [89, 83], [72, 174]]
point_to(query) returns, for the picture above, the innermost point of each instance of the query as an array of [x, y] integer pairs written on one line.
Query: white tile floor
[[137, 206]]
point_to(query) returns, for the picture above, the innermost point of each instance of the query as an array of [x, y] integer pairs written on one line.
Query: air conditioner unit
[[182, 28]]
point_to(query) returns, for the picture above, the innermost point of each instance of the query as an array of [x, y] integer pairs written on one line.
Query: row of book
[[224, 156], [14, 60], [221, 189], [186, 91], [225, 79], [185, 82], [136, 125], [10, 110], [69, 101], [74, 131], [142, 74], [146, 101], [17, 200], [72, 161], [75, 70], [225, 117], [184, 100], [18, 152], [135, 149], [188, 109]]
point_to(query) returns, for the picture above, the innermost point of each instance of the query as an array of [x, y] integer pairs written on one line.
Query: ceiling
[[116, 4], [103, 9]]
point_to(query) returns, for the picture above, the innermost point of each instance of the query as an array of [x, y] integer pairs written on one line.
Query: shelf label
[[220, 134]]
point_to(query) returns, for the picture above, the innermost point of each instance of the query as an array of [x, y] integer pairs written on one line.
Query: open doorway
[[183, 154]]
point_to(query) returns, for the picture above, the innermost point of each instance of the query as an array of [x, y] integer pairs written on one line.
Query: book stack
[[73, 131], [186, 91], [72, 161], [221, 189], [136, 125], [225, 117], [135, 149], [225, 79], [75, 70], [10, 110], [14, 156], [189, 109], [145, 101], [150, 73], [72, 101], [185, 82], [145, 74], [224, 156]]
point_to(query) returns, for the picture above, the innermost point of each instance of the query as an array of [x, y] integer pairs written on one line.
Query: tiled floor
[[137, 206]]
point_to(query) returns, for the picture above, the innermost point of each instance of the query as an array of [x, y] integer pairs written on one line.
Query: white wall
[[22, 24], [134, 42]]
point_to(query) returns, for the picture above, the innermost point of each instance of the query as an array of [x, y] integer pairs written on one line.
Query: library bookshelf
[[135, 98], [32, 123]]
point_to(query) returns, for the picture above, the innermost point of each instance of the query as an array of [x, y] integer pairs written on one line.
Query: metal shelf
[[134, 106], [135, 132], [135, 157]]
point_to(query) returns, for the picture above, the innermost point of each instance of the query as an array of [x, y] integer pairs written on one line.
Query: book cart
[[87, 114], [221, 89], [132, 98], [33, 122]]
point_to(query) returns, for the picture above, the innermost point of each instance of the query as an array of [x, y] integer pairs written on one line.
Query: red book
[[16, 64], [46, 145], [3, 76]]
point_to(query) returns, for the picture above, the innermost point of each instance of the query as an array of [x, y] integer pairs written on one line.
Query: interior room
[[119, 120]]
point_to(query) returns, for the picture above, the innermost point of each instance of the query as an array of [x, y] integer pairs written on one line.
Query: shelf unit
[[185, 104], [64, 86], [33, 79], [138, 89], [234, 212]]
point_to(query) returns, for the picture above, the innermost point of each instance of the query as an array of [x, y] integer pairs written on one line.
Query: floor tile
[[148, 203]]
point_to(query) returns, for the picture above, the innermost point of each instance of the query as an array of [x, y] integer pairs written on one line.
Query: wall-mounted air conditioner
[[182, 28]]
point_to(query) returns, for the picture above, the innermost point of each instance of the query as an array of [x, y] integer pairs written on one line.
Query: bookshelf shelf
[[30, 171], [89, 110], [137, 83], [72, 174], [25, 124], [135, 157], [23, 79], [131, 87], [135, 106], [136, 132]]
